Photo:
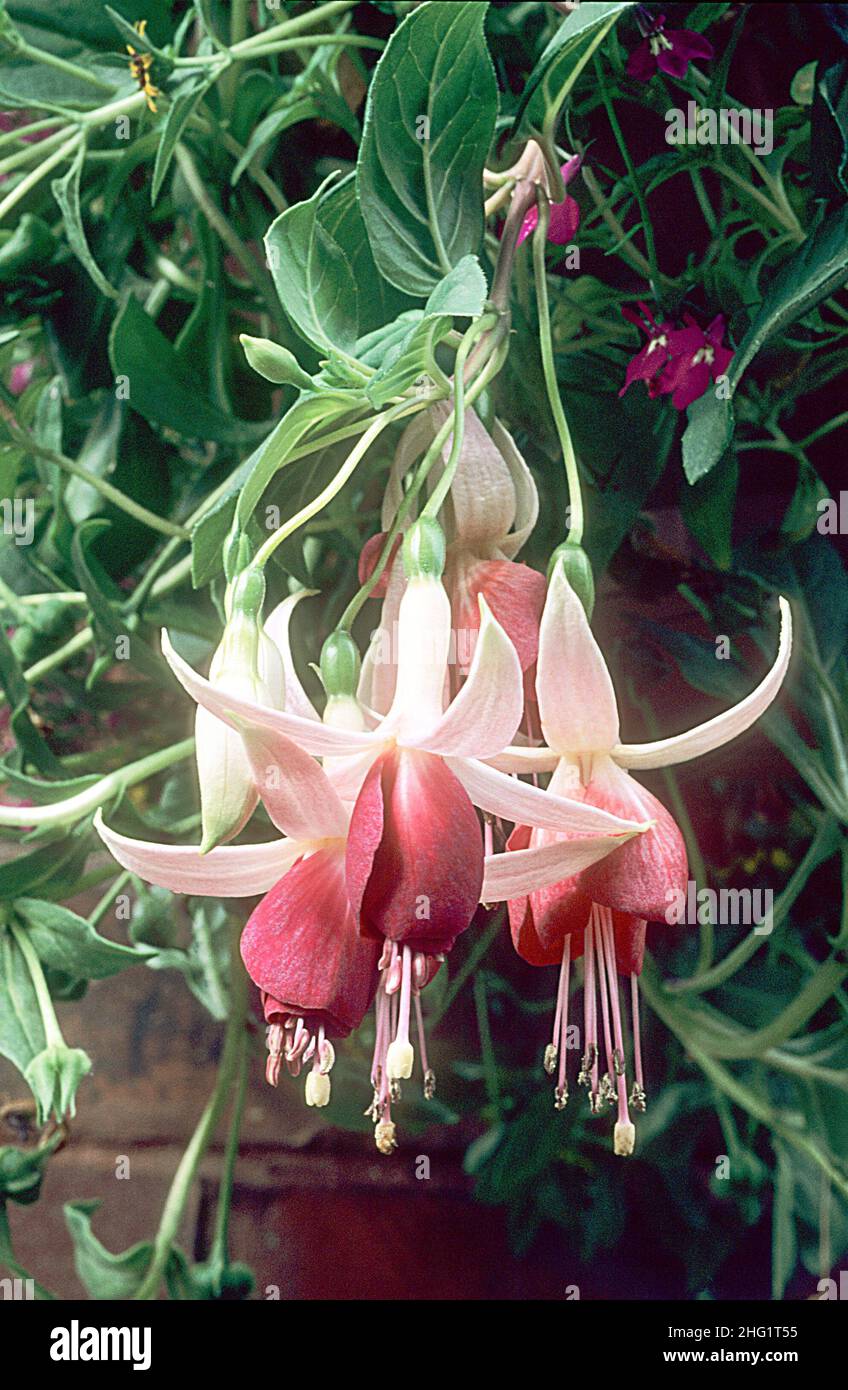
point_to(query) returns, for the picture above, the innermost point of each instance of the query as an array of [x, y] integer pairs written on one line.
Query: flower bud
[[424, 549], [275, 363], [578, 571], [340, 664]]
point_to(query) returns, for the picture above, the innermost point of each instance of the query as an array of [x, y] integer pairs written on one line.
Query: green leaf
[[184, 102], [107, 621], [206, 963], [461, 294], [429, 122], [314, 279], [30, 740], [811, 273], [69, 943], [162, 390], [561, 64], [341, 217], [308, 411], [108, 1276], [21, 1030], [40, 867], [66, 191], [708, 510], [784, 1248]]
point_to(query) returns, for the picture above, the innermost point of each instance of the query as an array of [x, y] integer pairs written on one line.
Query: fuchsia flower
[[492, 509], [382, 864], [602, 910], [565, 216], [677, 362], [669, 50]]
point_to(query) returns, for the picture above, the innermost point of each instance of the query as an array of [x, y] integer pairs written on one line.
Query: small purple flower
[[697, 357], [669, 50], [565, 216], [652, 358], [677, 362]]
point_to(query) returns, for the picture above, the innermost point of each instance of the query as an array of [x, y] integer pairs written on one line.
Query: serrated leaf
[[429, 122]]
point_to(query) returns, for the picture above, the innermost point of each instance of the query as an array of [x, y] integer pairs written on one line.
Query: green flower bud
[[248, 593], [424, 549], [237, 553], [275, 363], [578, 572], [340, 664]]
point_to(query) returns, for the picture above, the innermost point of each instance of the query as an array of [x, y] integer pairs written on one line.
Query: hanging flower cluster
[[383, 858]]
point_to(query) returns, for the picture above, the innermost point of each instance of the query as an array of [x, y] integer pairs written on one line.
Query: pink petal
[[484, 716], [231, 871], [723, 727], [423, 647], [642, 64], [276, 628], [576, 699], [522, 804], [565, 219], [482, 493], [378, 680], [241, 714], [515, 593], [526, 496], [297, 794], [301, 946], [523, 871], [414, 853]]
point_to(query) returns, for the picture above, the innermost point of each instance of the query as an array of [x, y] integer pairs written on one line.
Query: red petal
[[414, 852], [301, 946], [643, 877], [540, 922], [368, 557]]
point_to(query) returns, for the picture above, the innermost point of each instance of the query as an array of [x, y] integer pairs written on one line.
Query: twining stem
[[228, 1070], [546, 348], [348, 468], [73, 808], [490, 370]]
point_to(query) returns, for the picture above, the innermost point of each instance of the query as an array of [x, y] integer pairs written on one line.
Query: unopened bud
[[424, 549], [275, 363], [578, 571], [340, 664]]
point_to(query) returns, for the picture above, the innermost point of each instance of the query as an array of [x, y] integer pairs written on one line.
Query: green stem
[[73, 808], [111, 494], [442, 488], [35, 175], [259, 278], [572, 473], [374, 430], [490, 1061], [219, 1253], [49, 1021], [99, 912], [52, 60], [647, 228], [184, 1177]]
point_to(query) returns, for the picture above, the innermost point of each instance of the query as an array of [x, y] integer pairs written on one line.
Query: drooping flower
[[602, 909], [565, 216], [490, 512], [373, 898], [667, 50], [414, 851]]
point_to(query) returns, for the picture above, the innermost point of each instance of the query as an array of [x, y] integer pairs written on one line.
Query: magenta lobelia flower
[[677, 362], [667, 50], [601, 911]]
